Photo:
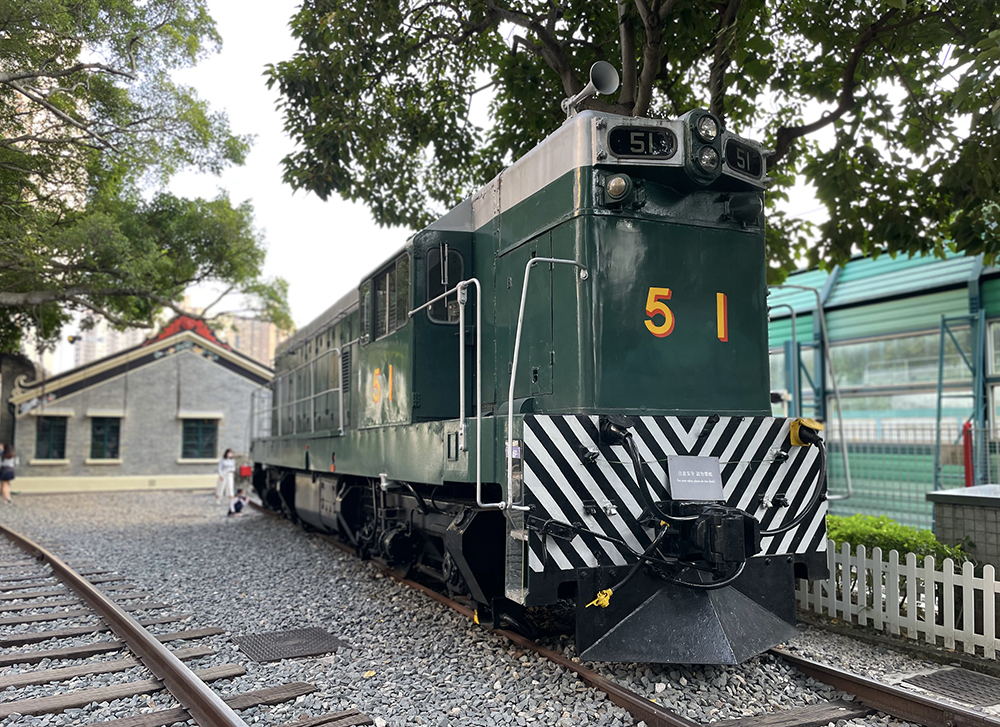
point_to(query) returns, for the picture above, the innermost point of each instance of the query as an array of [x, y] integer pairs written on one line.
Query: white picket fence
[[947, 607]]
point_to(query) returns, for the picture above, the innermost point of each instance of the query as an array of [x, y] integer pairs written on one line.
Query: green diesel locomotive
[[559, 392]]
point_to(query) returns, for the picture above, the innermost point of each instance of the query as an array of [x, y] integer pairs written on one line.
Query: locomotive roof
[[567, 148], [549, 157], [342, 307], [580, 142], [577, 143]]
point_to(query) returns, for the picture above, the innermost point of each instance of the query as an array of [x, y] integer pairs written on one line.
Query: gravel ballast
[[408, 660]]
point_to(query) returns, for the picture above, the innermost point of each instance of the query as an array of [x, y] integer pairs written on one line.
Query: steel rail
[[205, 706], [637, 705], [892, 700], [897, 702]]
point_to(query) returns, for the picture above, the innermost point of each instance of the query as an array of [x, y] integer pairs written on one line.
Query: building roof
[[183, 334], [867, 279]]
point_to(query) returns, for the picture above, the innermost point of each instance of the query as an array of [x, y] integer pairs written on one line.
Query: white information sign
[[694, 478]]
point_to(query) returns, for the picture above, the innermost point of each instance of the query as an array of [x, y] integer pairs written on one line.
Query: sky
[[321, 248]]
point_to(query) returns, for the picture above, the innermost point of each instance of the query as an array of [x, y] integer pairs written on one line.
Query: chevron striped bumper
[[759, 466]]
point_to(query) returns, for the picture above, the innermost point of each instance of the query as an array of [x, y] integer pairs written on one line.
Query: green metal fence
[[892, 470]]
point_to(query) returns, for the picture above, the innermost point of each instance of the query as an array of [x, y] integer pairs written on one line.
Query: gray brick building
[[158, 415]]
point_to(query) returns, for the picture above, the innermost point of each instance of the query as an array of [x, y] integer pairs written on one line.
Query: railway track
[[870, 696], [40, 588]]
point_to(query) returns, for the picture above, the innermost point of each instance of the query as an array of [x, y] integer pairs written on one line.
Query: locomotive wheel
[[453, 576]]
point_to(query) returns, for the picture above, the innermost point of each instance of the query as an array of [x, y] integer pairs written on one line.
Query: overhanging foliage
[[888, 109]]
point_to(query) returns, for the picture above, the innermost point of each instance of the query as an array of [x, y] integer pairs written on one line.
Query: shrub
[[881, 532]]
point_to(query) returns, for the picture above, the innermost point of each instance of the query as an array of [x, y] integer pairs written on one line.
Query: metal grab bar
[[513, 369], [825, 341], [461, 292]]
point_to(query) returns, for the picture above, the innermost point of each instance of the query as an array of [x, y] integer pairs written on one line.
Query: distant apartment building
[[103, 340], [252, 337]]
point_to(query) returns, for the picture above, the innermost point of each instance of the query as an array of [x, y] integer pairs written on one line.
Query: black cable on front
[[813, 503], [645, 557], [641, 561], [712, 585], [640, 480], [603, 597]]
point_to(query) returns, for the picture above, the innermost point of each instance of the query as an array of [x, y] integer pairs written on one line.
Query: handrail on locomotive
[[517, 349]]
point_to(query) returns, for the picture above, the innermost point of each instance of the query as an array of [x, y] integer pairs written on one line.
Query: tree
[[93, 127], [889, 109]]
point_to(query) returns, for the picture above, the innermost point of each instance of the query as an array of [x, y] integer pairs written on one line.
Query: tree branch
[[38, 297], [627, 34], [215, 302], [725, 39], [786, 135], [552, 50], [40, 100], [78, 68], [105, 313]]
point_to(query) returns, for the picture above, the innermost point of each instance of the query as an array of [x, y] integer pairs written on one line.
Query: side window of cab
[[385, 300]]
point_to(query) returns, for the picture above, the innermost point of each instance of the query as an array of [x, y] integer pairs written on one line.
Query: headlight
[[708, 158], [708, 128], [617, 187]]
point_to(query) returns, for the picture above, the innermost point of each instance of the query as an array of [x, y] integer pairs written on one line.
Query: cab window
[[385, 300]]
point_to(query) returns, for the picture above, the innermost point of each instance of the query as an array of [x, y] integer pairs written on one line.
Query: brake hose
[[813, 503], [603, 598], [644, 491]]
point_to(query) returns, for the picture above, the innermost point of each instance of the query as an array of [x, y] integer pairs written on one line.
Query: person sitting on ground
[[239, 502]]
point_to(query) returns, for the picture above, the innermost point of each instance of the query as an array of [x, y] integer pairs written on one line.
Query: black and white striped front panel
[[557, 482]]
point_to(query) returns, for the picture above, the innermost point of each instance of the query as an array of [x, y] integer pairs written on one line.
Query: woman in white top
[[8, 461], [227, 472]]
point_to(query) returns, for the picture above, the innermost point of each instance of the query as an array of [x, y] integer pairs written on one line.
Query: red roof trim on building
[[187, 323]]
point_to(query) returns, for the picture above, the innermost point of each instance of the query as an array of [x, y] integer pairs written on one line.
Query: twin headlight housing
[[696, 142], [704, 145]]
